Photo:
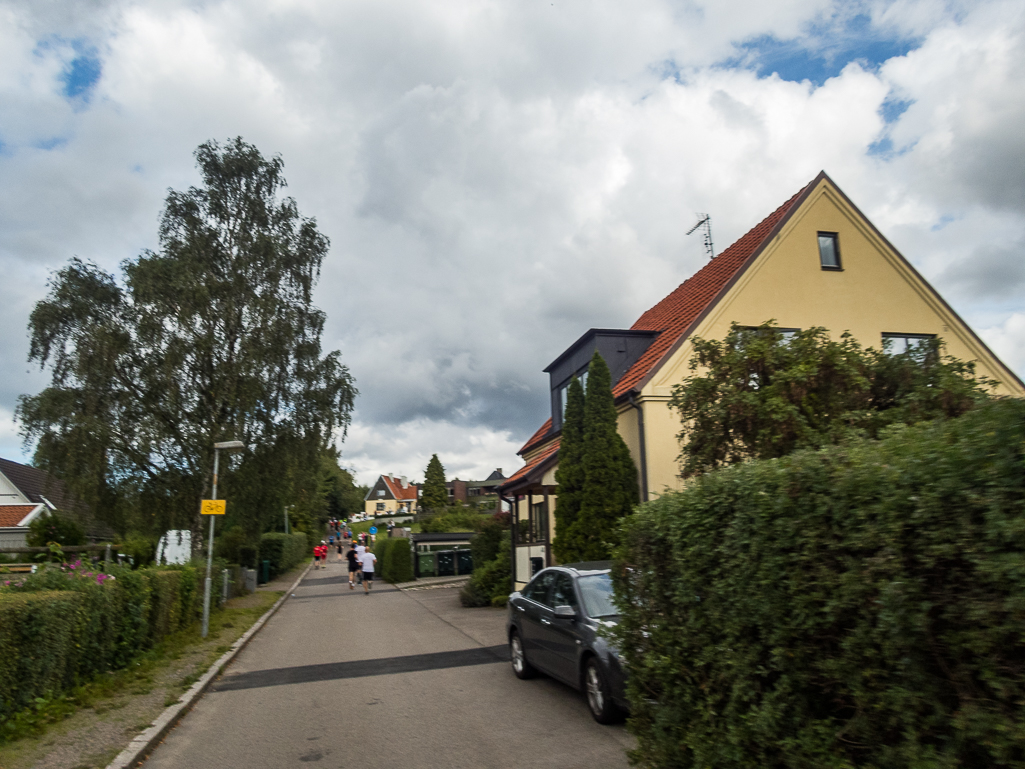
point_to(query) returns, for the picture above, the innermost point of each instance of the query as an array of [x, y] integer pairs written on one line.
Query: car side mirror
[[565, 612]]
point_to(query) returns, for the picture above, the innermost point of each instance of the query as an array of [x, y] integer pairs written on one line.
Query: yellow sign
[[212, 507]]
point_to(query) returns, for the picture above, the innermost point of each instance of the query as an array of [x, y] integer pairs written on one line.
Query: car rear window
[[596, 590]]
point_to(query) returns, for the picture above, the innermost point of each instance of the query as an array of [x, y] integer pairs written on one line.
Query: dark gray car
[[553, 628]]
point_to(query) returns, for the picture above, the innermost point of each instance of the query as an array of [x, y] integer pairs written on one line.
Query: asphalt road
[[394, 679]]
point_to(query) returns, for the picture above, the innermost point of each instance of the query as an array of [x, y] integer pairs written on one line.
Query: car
[[554, 626]]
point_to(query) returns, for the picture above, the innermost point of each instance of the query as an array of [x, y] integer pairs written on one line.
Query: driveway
[[394, 679]]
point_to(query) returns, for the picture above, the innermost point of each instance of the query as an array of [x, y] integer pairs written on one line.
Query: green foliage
[[435, 496], [51, 527], [141, 549], [62, 625], [610, 477], [857, 606], [284, 551], [570, 474], [456, 519], [487, 542], [491, 581], [761, 394], [394, 559], [212, 337], [229, 543]]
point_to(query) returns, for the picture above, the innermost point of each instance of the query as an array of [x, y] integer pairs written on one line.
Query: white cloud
[[497, 177], [1008, 341]]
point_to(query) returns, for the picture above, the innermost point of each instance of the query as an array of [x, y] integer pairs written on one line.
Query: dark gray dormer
[[619, 347]]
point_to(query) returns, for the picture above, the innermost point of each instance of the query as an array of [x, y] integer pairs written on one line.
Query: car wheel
[[518, 658], [599, 698]]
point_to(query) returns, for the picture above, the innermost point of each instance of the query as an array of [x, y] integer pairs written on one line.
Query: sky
[[496, 177]]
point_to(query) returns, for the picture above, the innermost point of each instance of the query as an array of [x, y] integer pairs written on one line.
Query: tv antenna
[[705, 223]]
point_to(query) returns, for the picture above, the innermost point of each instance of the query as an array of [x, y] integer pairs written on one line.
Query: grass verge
[[92, 723]]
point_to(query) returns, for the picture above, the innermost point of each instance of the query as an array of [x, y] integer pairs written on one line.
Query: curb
[[441, 582], [142, 744]]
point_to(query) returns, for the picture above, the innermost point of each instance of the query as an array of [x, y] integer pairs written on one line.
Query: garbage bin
[[464, 561], [264, 572], [426, 565], [446, 560]]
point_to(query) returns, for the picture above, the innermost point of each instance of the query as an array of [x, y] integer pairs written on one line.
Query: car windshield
[[596, 590]]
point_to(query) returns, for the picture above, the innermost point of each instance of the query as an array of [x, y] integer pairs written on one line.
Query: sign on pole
[[212, 507]]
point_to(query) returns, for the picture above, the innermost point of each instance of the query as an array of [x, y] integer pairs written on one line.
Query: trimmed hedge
[[399, 560], [284, 551], [859, 606], [491, 582], [59, 628]]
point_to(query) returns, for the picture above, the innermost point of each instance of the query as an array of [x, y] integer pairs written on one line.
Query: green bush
[[383, 566], [399, 559], [50, 527], [284, 551], [62, 625], [491, 581], [142, 550], [38, 646], [858, 606], [454, 519]]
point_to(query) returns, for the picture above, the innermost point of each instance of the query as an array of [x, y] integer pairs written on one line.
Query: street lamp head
[[230, 446]]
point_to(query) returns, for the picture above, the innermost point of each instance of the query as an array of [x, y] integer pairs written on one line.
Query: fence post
[[106, 558], [225, 588]]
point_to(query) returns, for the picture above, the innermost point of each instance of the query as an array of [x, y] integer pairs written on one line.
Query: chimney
[[405, 483]]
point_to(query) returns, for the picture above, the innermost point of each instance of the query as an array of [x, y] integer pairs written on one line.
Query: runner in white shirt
[[368, 559]]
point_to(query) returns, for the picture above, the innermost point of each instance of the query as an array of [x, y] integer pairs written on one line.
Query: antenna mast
[[705, 222]]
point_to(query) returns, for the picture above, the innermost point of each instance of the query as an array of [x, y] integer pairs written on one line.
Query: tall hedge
[[859, 606], [400, 560], [284, 551], [381, 549], [58, 628]]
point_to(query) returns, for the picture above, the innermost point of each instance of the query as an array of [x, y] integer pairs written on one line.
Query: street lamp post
[[226, 446]]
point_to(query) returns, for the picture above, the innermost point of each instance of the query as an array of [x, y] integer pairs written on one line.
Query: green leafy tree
[[761, 393], [212, 337], [53, 527], [435, 496], [610, 488], [570, 473]]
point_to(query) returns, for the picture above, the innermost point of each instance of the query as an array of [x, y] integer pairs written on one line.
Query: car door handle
[[545, 622], [520, 608]]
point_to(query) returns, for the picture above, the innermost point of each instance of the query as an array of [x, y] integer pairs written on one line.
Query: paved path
[[394, 679]]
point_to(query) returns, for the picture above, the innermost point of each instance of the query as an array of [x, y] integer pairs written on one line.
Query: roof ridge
[[675, 313]]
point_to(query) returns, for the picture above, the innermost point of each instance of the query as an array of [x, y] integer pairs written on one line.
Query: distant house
[[482, 493], [27, 493], [391, 495], [815, 261]]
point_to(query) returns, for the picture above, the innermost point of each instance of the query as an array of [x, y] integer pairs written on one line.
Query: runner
[[316, 556], [368, 559], [353, 558]]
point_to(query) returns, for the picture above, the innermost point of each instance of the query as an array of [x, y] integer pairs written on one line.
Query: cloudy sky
[[498, 176]]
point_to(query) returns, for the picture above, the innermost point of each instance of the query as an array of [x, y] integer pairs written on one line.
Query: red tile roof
[[536, 437], [523, 471], [395, 487], [678, 312], [12, 515]]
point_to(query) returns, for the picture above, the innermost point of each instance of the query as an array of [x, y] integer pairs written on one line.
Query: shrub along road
[[396, 678]]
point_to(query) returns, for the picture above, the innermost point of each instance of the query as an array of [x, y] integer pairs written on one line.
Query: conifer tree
[[435, 494], [570, 475], [610, 476]]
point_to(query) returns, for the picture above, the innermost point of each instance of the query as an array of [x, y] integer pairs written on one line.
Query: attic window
[[380, 492], [829, 251], [564, 390]]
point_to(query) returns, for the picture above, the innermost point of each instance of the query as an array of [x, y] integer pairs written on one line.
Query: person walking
[[367, 560], [354, 565]]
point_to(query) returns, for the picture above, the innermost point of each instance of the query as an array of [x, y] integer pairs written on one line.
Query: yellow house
[[391, 495], [815, 261]]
